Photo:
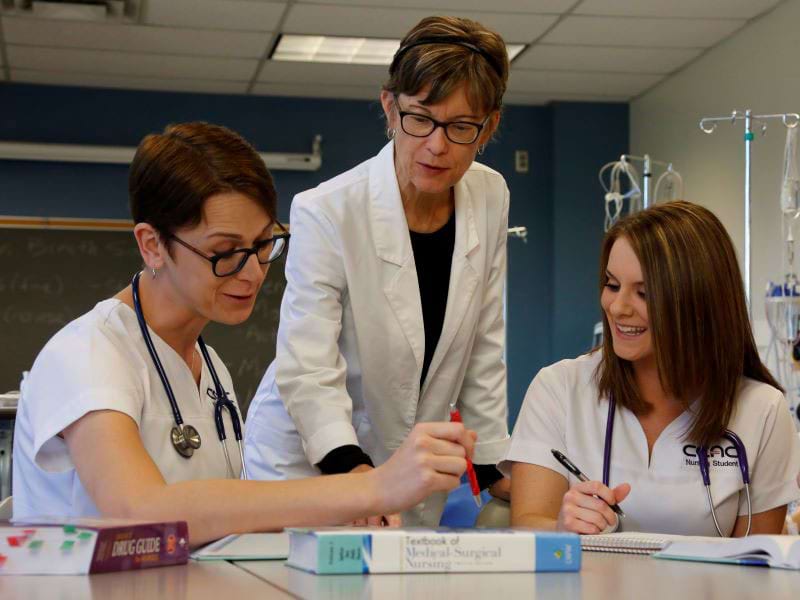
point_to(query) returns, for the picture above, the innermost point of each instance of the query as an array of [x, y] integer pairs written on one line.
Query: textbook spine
[[436, 551], [140, 546]]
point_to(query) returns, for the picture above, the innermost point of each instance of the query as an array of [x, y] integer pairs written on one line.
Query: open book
[[780, 551]]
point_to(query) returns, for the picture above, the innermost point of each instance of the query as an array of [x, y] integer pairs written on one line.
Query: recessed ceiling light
[[349, 50], [330, 49]]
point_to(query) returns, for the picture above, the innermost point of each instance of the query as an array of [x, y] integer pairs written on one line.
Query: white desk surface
[[193, 581], [603, 576]]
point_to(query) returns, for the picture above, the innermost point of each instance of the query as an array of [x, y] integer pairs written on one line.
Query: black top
[[433, 255]]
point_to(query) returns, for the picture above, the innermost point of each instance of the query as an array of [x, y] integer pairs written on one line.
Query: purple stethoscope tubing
[[220, 396], [702, 459]]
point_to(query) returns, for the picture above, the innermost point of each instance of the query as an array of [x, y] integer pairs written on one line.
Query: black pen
[[569, 466]]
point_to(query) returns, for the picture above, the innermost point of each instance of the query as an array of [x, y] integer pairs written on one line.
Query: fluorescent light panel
[[348, 50]]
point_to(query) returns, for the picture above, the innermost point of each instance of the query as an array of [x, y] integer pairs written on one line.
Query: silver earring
[[154, 272], [390, 133], [481, 148]]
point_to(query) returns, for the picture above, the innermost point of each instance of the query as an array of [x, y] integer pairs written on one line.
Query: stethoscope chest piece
[[185, 439]]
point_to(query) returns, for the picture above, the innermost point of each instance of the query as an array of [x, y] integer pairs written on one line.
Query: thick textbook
[[340, 550], [51, 546], [779, 551]]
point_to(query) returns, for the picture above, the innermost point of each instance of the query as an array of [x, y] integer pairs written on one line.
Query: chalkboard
[[48, 277]]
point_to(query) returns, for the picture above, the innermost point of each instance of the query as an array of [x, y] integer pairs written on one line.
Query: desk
[[193, 581], [603, 576]]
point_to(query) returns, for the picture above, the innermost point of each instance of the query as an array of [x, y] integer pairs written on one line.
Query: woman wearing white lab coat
[[393, 306]]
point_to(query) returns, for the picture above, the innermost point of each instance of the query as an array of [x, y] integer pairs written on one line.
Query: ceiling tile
[[149, 83], [242, 15], [304, 91], [319, 74], [103, 62], [437, 6], [729, 9], [647, 32], [600, 58], [539, 99], [393, 22], [133, 38], [568, 82]]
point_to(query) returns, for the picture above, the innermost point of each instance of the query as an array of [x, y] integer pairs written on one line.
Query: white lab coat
[[351, 340]]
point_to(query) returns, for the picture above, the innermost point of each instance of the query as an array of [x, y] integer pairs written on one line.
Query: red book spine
[[123, 548]]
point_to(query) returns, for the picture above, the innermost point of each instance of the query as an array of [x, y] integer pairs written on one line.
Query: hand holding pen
[[589, 507]]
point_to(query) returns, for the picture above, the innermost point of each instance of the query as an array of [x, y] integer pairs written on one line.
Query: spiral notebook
[[633, 542]]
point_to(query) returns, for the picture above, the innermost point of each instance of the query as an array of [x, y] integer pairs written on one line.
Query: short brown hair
[[175, 172], [446, 66], [698, 316]]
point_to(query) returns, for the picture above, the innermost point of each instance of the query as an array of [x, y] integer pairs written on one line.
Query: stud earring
[[390, 133], [153, 269], [481, 148]]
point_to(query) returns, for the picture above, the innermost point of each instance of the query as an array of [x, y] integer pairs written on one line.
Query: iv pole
[[647, 174], [708, 125]]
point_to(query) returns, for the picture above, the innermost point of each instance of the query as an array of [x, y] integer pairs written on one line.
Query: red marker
[[455, 417]]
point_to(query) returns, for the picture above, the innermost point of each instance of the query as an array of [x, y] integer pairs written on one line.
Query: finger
[[442, 482], [358, 523], [374, 521], [621, 492], [448, 465], [595, 488], [394, 520], [596, 505], [591, 517], [455, 432], [443, 447]]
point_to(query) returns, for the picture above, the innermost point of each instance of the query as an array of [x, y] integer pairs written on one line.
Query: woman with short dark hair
[[127, 413], [666, 417], [393, 310]]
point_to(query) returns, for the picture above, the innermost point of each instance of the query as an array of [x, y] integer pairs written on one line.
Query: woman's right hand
[[582, 512], [431, 459]]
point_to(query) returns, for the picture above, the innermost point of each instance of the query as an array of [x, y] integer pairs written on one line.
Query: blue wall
[[552, 299], [585, 137]]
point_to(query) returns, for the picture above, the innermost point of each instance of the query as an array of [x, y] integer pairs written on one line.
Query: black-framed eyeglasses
[[230, 263], [458, 132]]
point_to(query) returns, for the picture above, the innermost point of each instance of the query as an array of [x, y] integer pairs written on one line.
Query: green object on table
[[69, 529], [67, 545]]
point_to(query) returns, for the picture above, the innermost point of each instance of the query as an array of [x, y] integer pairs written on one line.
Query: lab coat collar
[[389, 225], [393, 245]]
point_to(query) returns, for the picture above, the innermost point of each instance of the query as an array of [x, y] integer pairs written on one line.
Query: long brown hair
[[702, 340]]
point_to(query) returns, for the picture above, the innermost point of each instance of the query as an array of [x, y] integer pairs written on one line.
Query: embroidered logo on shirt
[[718, 456]]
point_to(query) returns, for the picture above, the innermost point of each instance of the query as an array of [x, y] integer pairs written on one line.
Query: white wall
[[757, 68]]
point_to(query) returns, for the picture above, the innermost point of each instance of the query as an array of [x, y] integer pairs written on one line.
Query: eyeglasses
[[458, 132], [230, 263]]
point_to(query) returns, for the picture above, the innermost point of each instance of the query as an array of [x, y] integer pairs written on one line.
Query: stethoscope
[[185, 438], [702, 459]]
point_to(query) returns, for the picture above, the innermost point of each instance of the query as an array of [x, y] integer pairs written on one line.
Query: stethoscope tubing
[[702, 459], [221, 400]]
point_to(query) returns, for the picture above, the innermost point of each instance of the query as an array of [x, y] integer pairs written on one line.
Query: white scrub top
[[100, 362], [561, 411]]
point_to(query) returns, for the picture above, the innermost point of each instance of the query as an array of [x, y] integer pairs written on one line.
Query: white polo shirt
[[561, 411], [100, 362]]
